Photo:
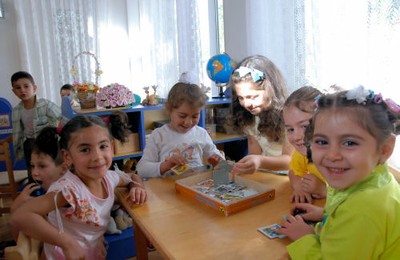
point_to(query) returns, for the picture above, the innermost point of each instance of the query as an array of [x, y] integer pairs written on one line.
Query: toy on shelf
[[86, 91], [150, 100], [219, 70]]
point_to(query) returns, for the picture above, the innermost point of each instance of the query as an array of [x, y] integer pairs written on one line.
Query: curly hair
[[271, 120]]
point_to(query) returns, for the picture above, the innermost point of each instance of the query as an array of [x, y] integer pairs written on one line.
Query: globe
[[220, 68]]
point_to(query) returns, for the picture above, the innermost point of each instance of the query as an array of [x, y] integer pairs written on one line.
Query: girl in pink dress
[[78, 205]]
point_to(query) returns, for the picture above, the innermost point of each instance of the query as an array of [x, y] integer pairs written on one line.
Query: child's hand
[[311, 184], [24, 196], [299, 196], [214, 159], [71, 248], [248, 164], [295, 227], [138, 195], [171, 162], [177, 160], [311, 212]]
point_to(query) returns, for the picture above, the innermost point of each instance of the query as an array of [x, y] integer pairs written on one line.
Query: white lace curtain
[[137, 42], [328, 42]]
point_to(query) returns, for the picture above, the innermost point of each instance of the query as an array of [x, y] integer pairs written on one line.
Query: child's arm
[[214, 159], [295, 227], [312, 184], [24, 196], [298, 195], [171, 162], [30, 218], [137, 192], [152, 164], [251, 163]]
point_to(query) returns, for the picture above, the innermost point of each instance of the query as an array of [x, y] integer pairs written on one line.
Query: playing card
[[180, 169], [271, 231]]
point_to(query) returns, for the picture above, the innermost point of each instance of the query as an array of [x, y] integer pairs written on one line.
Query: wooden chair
[[26, 249], [10, 180]]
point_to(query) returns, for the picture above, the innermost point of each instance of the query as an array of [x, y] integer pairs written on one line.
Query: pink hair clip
[[392, 105], [378, 98], [59, 129]]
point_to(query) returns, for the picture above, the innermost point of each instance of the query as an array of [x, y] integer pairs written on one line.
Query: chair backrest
[[8, 187], [26, 249]]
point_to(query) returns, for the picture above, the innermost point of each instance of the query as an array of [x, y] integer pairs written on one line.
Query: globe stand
[[221, 93]]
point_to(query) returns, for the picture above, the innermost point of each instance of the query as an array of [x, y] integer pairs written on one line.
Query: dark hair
[[271, 121], [77, 123], [67, 87], [185, 92], [47, 143], [119, 125], [373, 114], [303, 99], [22, 75]]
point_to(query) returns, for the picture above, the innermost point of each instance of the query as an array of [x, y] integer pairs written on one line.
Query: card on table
[[271, 231]]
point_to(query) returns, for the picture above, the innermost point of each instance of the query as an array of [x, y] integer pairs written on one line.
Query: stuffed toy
[[130, 165], [120, 220]]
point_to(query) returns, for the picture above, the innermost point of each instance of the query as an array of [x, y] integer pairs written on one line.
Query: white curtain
[[354, 42], [328, 42], [137, 42]]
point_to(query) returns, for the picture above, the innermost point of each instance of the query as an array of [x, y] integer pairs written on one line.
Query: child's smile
[[184, 117], [91, 152], [296, 122], [343, 152]]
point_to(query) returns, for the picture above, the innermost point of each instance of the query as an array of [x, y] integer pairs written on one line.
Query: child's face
[[296, 122], [24, 89], [184, 117], [250, 97], [344, 152], [90, 151], [65, 92], [44, 169]]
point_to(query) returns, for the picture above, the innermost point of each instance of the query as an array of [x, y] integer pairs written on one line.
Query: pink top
[[87, 216]]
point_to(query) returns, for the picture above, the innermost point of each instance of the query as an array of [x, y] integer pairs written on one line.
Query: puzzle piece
[[221, 173]]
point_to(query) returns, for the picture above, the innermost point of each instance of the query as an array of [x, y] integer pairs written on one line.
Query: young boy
[[30, 116], [68, 90]]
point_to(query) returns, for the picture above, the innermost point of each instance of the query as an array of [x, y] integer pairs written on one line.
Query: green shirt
[[361, 222]]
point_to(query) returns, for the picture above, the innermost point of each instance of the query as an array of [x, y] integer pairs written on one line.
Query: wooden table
[[182, 228]]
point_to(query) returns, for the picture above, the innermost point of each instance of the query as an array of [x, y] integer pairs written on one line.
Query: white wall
[[10, 61]]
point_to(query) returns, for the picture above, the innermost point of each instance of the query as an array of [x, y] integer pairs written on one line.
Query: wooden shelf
[[141, 118]]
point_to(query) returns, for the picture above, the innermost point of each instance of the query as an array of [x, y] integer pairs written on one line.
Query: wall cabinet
[[142, 118]]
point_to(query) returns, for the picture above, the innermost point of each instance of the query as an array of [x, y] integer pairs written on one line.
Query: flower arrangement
[[86, 94], [86, 86], [114, 95]]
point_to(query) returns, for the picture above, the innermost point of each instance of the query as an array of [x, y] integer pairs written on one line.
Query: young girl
[[353, 135], [307, 182], [258, 94], [181, 141], [79, 203], [47, 167]]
